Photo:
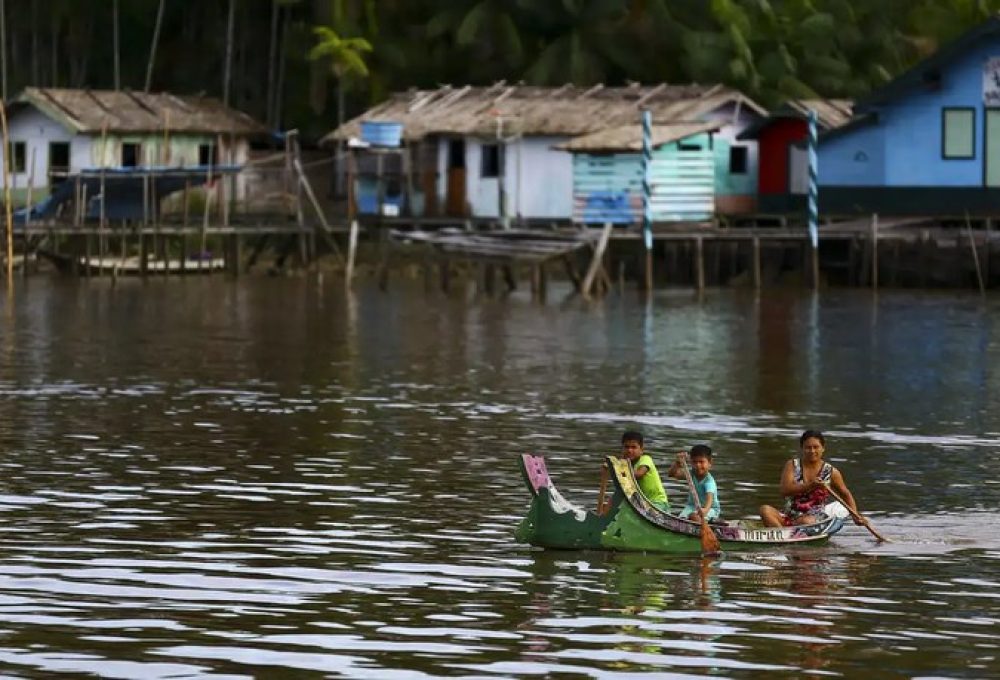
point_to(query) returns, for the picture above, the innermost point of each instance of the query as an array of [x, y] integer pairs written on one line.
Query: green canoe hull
[[633, 524]]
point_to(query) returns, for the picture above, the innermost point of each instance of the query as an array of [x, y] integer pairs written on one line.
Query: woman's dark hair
[[633, 436], [811, 434]]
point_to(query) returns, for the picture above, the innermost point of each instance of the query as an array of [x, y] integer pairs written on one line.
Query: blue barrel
[[381, 132]]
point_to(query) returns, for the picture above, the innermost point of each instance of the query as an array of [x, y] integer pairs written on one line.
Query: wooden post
[[814, 260], [143, 254], [445, 273], [204, 219], [699, 264], [304, 181], [926, 251], [352, 247], [874, 238], [755, 264], [975, 254], [596, 260], [237, 253], [27, 215], [648, 270], [986, 249], [621, 277]]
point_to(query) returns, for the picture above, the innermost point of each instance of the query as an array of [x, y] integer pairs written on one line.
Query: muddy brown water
[[274, 478]]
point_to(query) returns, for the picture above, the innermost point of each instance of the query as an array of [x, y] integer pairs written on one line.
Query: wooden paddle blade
[[709, 541]]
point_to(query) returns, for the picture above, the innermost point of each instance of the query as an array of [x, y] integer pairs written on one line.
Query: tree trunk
[[35, 73], [272, 58], [55, 50], [117, 47], [279, 90], [227, 71], [3, 49], [153, 46]]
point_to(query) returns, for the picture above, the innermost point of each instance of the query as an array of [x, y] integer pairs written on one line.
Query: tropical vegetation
[[301, 63]]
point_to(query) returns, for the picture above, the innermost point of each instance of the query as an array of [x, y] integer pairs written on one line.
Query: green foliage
[[771, 49]]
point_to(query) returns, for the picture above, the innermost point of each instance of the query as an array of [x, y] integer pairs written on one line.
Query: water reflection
[[272, 477]]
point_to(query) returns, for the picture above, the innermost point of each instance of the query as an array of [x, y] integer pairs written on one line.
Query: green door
[[991, 155]]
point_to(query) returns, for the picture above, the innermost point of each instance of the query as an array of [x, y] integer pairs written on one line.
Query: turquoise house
[[927, 143], [607, 174]]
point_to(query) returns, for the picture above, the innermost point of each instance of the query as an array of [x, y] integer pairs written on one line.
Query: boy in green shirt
[[644, 470]]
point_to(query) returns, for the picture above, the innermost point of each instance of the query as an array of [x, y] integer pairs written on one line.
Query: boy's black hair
[[811, 434], [633, 436], [700, 450]]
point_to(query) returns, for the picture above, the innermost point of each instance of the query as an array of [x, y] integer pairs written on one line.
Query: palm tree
[[346, 56]]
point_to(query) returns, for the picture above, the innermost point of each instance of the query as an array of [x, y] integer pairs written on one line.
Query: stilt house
[[781, 143], [926, 143], [608, 173], [56, 133], [493, 152]]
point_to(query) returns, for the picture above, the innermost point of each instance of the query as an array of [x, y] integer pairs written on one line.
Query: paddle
[[855, 515], [600, 492], [709, 541]]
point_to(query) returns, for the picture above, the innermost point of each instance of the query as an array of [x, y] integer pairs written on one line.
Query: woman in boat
[[804, 483]]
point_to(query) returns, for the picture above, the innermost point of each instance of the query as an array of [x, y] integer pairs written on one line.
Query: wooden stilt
[[621, 277], [352, 247], [699, 264], [86, 256], [874, 238], [445, 275], [596, 260], [143, 254], [509, 279], [755, 262], [987, 251], [571, 272], [975, 254]]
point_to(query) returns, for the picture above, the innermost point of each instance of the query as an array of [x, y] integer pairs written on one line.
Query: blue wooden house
[[927, 143], [607, 174]]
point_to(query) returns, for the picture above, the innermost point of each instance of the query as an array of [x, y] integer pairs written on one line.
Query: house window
[[208, 154], [131, 153], [958, 133], [688, 146], [58, 157], [737, 160], [492, 160], [18, 154]]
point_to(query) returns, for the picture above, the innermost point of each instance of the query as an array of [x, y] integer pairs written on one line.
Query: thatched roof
[[566, 111], [91, 111], [628, 138]]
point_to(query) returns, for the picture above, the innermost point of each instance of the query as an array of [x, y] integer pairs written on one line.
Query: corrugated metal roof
[[629, 137], [566, 111], [91, 111]]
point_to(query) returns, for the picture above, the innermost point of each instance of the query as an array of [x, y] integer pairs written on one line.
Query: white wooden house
[[495, 151], [58, 132]]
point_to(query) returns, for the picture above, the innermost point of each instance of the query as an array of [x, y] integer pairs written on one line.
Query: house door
[[455, 198], [991, 149]]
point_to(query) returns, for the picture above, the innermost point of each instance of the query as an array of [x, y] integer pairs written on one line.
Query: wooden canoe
[[632, 523]]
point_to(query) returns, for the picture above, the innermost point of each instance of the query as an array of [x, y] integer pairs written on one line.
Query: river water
[[274, 478]]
